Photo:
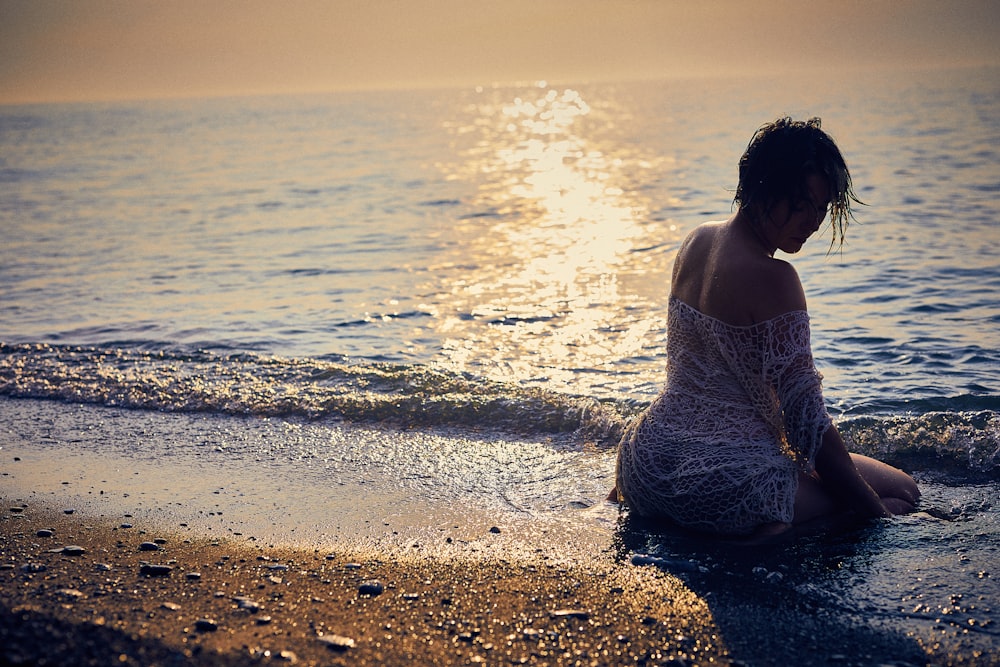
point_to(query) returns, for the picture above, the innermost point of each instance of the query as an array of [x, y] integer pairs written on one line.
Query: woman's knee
[[887, 481]]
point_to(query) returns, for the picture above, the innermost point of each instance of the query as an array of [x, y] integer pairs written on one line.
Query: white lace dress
[[742, 412]]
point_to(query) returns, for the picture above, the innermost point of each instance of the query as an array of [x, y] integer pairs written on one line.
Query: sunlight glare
[[556, 219]]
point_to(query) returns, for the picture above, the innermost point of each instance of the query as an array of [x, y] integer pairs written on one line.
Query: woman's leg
[[813, 501], [898, 491]]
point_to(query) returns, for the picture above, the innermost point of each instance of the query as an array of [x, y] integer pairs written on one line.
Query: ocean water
[[472, 283]]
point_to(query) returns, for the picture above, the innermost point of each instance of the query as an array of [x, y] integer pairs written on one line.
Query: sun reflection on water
[[558, 218]]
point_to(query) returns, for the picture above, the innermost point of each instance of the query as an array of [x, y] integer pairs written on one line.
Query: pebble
[[69, 510], [206, 625], [45, 532], [337, 642], [667, 563], [150, 570], [33, 567], [193, 576], [70, 593], [371, 587], [581, 614], [149, 546], [263, 620], [246, 604], [495, 530], [73, 550], [170, 606]]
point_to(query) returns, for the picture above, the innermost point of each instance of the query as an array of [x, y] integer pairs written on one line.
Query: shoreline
[[226, 603]]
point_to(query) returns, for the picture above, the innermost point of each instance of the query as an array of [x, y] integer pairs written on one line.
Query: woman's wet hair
[[777, 163]]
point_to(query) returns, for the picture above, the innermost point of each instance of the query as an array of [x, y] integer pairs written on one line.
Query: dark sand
[[226, 603]]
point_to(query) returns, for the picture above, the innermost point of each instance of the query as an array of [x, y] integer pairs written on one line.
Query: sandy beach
[[98, 591]]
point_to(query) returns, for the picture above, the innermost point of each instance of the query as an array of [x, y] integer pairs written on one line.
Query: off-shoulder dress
[[742, 412]]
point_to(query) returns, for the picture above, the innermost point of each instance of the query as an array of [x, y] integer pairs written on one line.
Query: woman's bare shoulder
[[775, 289]]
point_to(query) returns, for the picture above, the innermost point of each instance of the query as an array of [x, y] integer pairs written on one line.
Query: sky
[[63, 50]]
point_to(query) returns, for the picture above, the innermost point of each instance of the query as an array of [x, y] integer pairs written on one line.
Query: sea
[[386, 316]]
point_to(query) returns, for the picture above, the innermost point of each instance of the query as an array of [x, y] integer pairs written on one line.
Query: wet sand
[[83, 590]]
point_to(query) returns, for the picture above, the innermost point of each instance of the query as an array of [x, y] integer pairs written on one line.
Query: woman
[[739, 442]]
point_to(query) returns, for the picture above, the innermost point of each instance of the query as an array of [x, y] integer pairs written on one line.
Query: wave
[[947, 434], [270, 386]]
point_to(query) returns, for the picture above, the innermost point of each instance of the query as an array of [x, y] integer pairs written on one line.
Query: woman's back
[[724, 272]]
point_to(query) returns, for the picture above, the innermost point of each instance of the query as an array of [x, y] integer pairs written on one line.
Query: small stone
[[45, 532], [103, 567], [126, 525], [275, 580], [581, 614], [150, 570], [277, 567], [495, 530], [371, 587], [73, 550], [32, 568], [246, 604], [263, 620], [68, 510], [70, 593], [149, 546], [206, 625], [159, 540], [337, 642], [6, 566], [193, 576], [16, 510], [352, 566], [170, 606], [287, 656]]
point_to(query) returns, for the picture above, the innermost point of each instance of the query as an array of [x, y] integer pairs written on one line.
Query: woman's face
[[789, 224]]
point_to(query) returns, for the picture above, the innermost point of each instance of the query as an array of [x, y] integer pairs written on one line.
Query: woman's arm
[[841, 478]]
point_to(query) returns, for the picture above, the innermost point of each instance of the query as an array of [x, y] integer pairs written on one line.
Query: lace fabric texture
[[741, 413]]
